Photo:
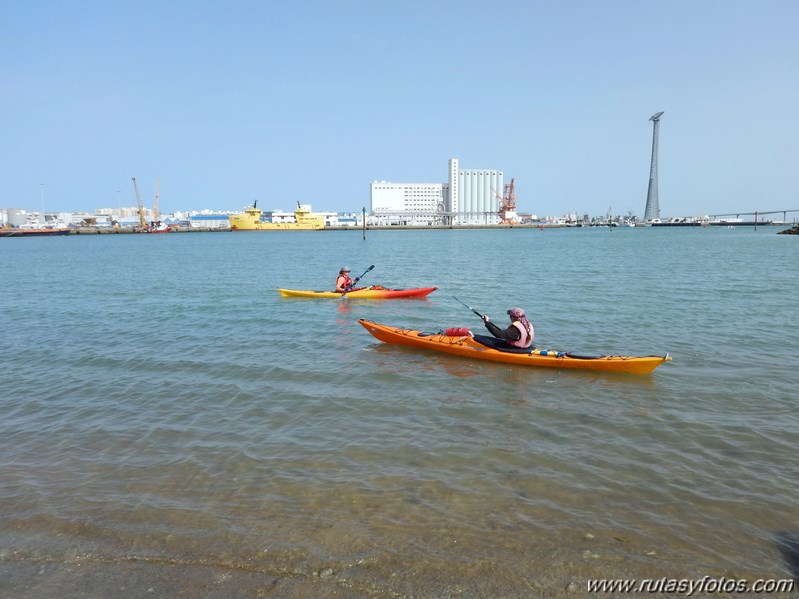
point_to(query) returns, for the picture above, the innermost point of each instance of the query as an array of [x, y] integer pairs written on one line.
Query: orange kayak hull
[[469, 348]]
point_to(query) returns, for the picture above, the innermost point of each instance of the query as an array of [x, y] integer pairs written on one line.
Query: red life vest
[[342, 282], [525, 340]]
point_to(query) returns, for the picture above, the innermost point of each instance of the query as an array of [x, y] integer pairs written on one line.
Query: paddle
[[468, 306], [356, 280]]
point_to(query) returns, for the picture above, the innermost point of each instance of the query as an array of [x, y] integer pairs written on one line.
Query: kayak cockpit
[[501, 345]]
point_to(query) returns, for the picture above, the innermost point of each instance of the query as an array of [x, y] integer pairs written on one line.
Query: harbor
[[355, 230], [393, 206]]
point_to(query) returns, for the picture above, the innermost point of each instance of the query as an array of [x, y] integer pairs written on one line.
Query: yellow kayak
[[483, 347], [374, 292]]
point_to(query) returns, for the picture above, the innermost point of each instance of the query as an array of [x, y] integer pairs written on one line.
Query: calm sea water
[[170, 426]]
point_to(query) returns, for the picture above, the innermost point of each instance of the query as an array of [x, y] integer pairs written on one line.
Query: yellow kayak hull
[[469, 348]]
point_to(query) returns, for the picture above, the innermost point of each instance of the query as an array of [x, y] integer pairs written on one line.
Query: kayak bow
[[487, 350], [362, 293]]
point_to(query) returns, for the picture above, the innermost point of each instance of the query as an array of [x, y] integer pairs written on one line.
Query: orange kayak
[[483, 347]]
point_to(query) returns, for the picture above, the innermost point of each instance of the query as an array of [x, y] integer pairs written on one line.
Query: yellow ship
[[252, 219]]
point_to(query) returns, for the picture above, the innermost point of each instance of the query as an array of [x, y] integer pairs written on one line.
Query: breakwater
[[538, 226]]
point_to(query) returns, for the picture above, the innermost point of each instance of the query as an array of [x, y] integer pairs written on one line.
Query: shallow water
[[171, 426]]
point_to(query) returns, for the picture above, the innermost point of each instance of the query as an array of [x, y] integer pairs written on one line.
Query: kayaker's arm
[[352, 284], [510, 334]]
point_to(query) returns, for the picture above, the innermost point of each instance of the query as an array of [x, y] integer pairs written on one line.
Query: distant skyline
[[312, 101]]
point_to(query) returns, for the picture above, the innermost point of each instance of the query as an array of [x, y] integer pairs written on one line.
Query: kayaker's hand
[[486, 318]]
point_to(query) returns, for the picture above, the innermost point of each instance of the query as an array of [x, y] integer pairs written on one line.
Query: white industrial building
[[469, 197]]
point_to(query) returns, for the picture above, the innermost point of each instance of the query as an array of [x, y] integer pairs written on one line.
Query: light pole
[[41, 193]]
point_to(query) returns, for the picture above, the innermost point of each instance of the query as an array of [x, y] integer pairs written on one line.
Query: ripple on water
[[210, 422]]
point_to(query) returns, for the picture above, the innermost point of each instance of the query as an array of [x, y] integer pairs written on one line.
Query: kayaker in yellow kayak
[[520, 333], [343, 282]]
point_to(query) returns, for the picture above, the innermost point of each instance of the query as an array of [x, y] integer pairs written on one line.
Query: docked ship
[[253, 219], [158, 227], [7, 231]]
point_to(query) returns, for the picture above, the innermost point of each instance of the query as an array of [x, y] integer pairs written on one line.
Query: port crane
[[142, 220], [156, 214], [507, 205]]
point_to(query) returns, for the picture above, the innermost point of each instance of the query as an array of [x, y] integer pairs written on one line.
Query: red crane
[[507, 205]]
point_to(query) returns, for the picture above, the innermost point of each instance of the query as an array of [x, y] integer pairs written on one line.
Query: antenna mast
[[156, 214]]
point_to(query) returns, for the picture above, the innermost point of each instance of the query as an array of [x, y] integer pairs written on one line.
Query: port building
[[468, 197]]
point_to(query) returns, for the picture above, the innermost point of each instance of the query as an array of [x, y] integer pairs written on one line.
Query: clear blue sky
[[227, 102]]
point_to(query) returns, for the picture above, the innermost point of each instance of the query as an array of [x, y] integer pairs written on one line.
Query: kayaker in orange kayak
[[520, 333], [343, 282]]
